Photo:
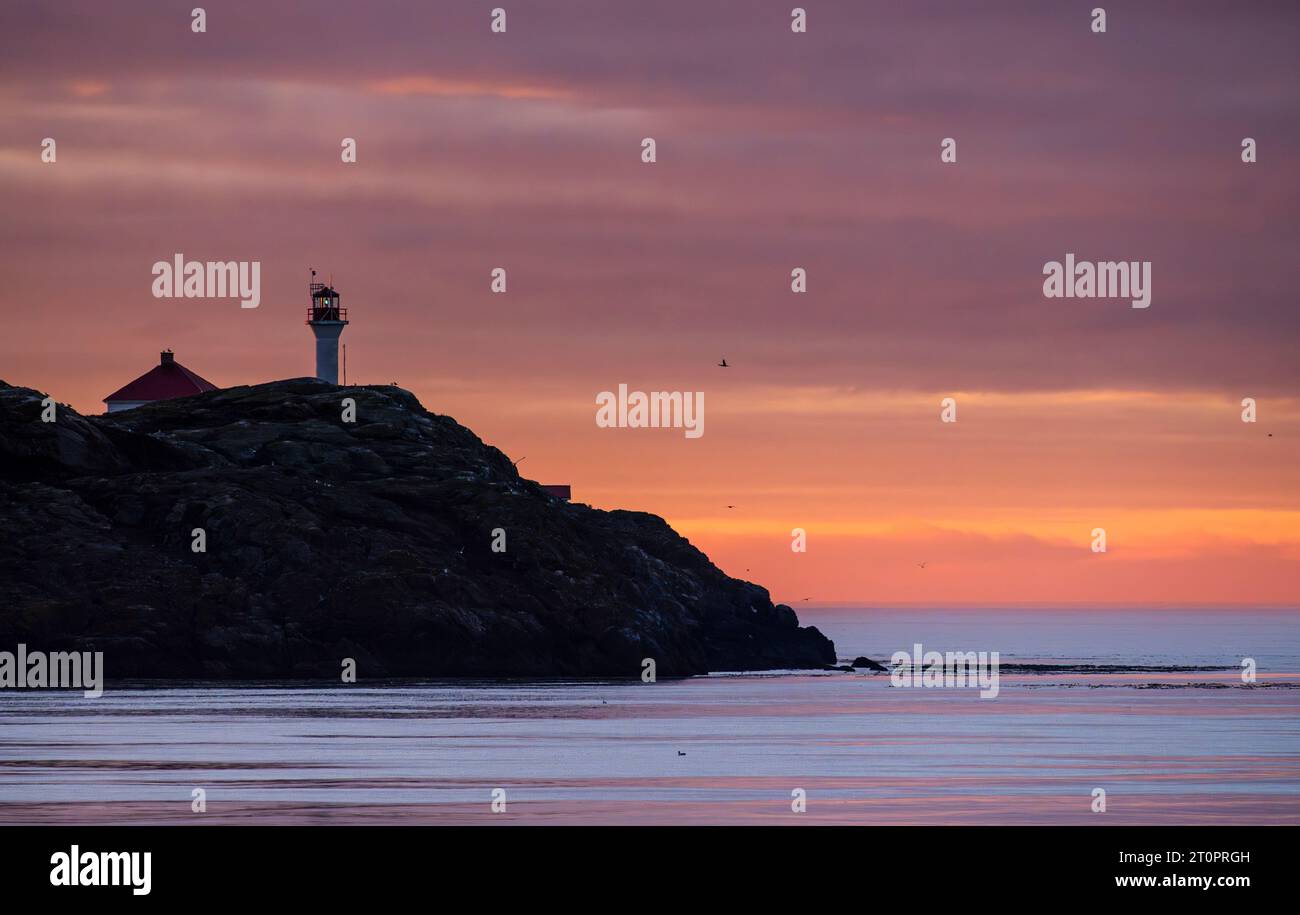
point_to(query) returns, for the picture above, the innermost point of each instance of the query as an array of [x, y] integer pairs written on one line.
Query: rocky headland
[[324, 540]]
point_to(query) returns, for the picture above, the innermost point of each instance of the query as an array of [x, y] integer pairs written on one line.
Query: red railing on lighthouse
[[326, 314]]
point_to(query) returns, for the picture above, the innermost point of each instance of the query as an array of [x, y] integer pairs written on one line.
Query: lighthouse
[[326, 320]]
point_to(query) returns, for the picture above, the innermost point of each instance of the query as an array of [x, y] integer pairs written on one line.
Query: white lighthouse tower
[[326, 320]]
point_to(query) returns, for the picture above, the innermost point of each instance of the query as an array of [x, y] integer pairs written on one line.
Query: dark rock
[[869, 664], [841, 667], [329, 540]]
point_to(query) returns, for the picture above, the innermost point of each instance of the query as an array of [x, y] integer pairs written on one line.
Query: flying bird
[[723, 364]]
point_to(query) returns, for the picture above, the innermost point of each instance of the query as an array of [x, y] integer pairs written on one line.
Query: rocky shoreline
[[325, 540]]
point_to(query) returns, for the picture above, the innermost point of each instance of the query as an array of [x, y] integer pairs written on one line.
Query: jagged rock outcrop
[[329, 540]]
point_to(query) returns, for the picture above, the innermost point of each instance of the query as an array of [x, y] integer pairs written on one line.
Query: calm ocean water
[[1167, 746]]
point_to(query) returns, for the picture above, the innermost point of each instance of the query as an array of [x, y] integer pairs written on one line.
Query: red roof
[[163, 382]]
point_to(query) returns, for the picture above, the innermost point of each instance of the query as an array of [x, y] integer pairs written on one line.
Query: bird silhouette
[[723, 364], [680, 753], [922, 564]]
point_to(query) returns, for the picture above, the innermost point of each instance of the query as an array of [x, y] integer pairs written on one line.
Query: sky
[[775, 150]]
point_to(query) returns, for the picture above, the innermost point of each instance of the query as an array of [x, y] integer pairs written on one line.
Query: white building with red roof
[[164, 381]]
